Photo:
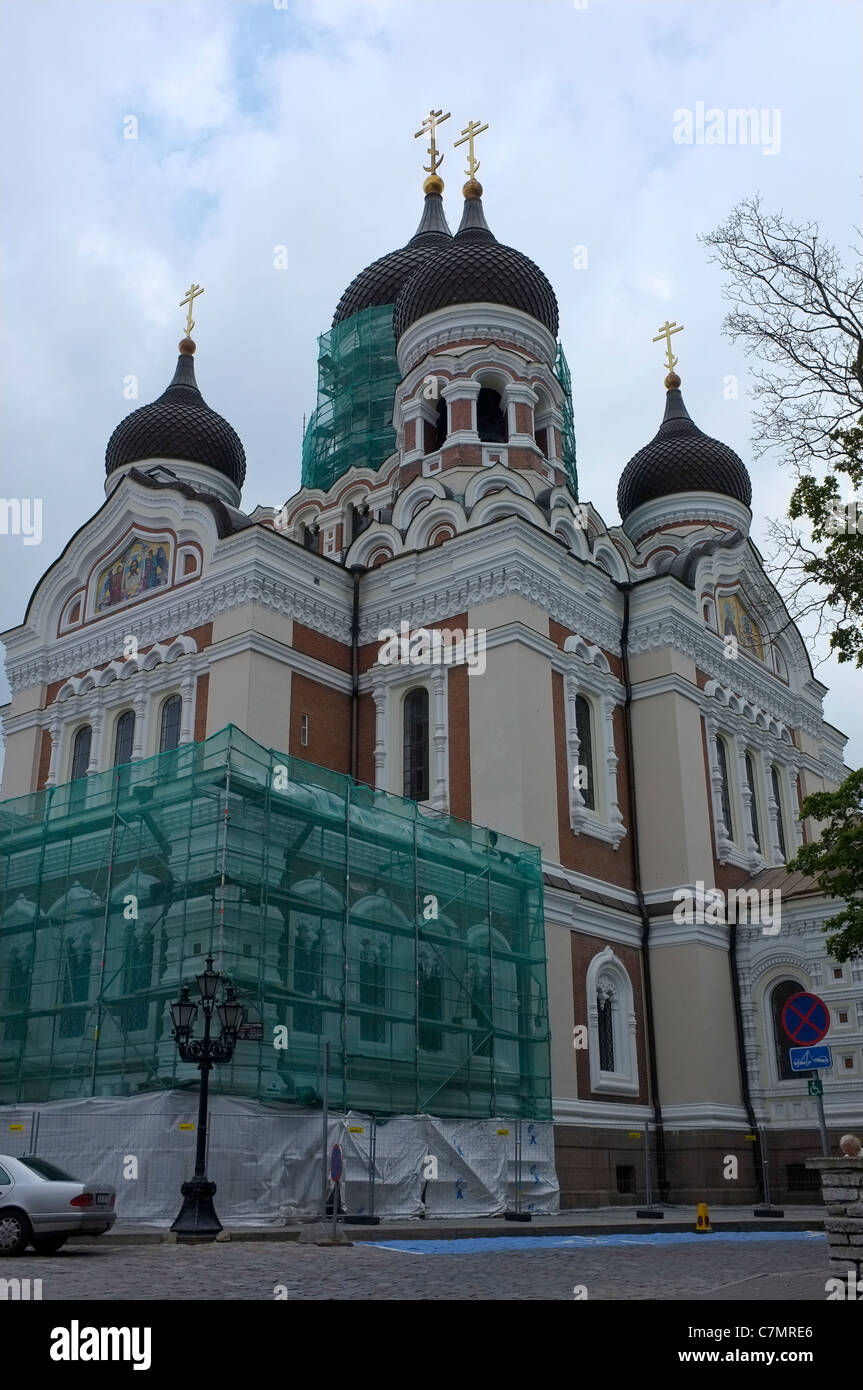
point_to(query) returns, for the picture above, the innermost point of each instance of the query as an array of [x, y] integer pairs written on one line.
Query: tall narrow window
[[781, 994], [722, 759], [430, 1007], [441, 423], [490, 419], [605, 1024], [137, 978], [75, 986], [308, 975], [416, 745], [169, 728], [753, 802], [780, 824], [81, 752], [373, 994], [583, 727], [124, 737]]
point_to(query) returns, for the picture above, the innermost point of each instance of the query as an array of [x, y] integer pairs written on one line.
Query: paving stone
[[726, 1271]]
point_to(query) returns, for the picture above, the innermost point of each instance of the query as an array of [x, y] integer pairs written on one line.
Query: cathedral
[[569, 752]]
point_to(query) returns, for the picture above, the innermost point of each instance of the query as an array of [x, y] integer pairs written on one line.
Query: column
[[139, 744], [615, 819], [573, 749], [187, 718], [464, 389], [773, 810], [54, 728], [745, 799], [515, 394], [440, 788], [97, 738], [379, 695]]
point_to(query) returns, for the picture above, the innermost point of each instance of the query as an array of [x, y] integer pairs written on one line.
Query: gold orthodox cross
[[469, 134], [191, 295], [430, 124], [665, 332]]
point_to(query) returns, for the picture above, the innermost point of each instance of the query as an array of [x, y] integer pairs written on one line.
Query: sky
[[265, 124]]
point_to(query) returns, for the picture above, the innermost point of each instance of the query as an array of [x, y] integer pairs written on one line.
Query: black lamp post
[[197, 1219]]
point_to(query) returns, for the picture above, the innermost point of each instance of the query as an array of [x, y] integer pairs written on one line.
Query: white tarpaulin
[[267, 1162]]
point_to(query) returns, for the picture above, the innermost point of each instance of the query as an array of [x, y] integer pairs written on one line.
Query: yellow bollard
[[702, 1220]]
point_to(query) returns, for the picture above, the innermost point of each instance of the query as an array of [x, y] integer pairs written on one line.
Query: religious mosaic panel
[[143, 565], [736, 621]]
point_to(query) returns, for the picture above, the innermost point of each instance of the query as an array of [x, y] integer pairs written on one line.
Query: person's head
[[850, 1145]]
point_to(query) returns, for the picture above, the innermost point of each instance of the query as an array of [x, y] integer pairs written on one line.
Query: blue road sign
[[336, 1163], [810, 1058]]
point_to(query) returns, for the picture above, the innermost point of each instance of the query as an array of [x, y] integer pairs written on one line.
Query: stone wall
[[842, 1192]]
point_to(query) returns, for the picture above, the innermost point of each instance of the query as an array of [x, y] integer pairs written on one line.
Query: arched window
[[441, 423], [416, 745], [780, 821], [81, 752], [753, 801], [124, 737], [490, 418], [722, 758], [611, 1022], [605, 992], [169, 727], [779, 998], [584, 729]]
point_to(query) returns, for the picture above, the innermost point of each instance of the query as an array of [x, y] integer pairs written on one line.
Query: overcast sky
[[260, 126]]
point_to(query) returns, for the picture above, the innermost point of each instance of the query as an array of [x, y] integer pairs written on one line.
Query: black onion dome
[[179, 425], [476, 268], [381, 281], [680, 458]]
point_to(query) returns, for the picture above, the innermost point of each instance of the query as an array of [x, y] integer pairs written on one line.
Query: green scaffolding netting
[[351, 425], [568, 431], [410, 941]]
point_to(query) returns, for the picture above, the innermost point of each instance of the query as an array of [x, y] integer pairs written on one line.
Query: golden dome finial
[[672, 381], [468, 135], [472, 189], [433, 183], [193, 291]]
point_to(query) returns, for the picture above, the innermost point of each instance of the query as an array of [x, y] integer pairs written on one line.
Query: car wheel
[[46, 1245], [15, 1232]]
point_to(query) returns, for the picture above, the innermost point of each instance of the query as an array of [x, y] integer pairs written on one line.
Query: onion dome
[[476, 268], [179, 425], [381, 281], [680, 458]]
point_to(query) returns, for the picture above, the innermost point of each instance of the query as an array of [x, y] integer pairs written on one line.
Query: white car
[[42, 1206]]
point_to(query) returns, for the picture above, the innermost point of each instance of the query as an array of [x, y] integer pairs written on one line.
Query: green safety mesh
[[568, 431], [411, 941], [351, 426]]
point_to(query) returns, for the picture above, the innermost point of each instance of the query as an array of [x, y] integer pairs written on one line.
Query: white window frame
[[605, 821], [623, 1081]]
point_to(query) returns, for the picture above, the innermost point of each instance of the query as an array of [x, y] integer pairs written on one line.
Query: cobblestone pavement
[[794, 1270]]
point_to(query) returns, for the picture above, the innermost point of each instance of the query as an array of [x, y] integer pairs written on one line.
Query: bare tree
[[799, 312]]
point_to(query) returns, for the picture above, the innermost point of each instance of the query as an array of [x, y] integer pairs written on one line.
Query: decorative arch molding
[[162, 652], [604, 550], [608, 978], [407, 503], [787, 962], [379, 536], [588, 652], [490, 480], [433, 516], [506, 504]]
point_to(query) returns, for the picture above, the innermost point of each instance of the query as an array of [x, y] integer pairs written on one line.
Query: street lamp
[[197, 1219]]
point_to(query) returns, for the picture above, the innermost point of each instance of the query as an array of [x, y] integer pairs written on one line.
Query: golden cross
[[469, 134], [430, 124], [665, 332], [191, 295]]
